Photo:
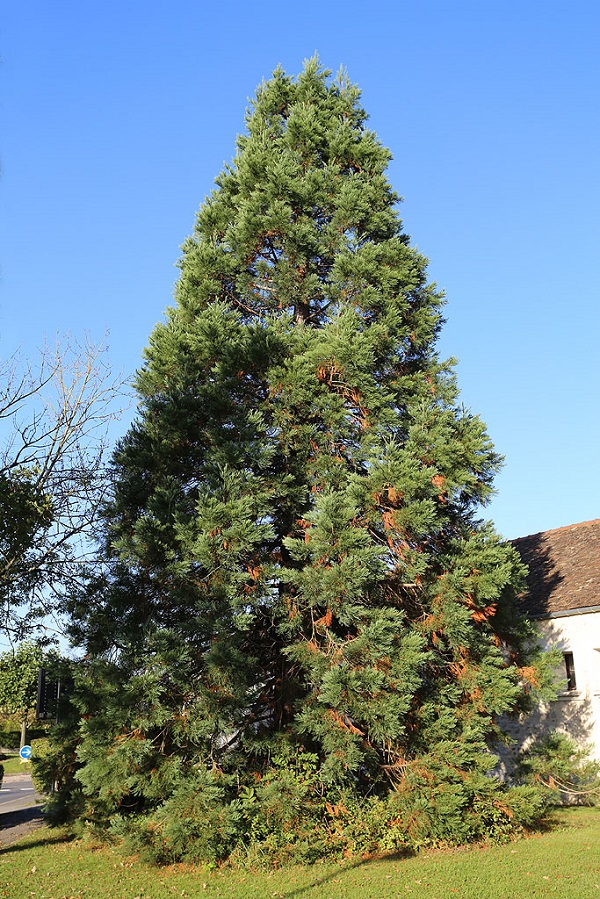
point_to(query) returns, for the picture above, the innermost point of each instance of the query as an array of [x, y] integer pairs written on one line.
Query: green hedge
[[10, 735]]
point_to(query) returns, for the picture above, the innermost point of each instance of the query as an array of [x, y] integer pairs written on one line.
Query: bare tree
[[54, 436]]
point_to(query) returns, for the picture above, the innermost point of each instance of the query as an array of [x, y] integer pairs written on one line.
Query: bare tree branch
[[54, 440]]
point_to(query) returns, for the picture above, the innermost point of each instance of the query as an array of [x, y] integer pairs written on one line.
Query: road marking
[[20, 790]]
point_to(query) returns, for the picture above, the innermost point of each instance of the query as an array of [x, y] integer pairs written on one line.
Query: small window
[[570, 671]]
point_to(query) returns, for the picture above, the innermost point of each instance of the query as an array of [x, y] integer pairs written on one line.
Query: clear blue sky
[[117, 116]]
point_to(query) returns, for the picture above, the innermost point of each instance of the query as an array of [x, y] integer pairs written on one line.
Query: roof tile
[[564, 568]]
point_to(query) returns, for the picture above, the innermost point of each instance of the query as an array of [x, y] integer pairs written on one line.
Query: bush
[[53, 762], [284, 817], [42, 771], [10, 733], [455, 813], [563, 770], [10, 739]]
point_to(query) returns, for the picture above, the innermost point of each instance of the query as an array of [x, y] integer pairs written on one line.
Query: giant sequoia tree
[[297, 570]]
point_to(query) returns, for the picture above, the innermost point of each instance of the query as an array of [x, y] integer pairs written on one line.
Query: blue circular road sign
[[25, 752]]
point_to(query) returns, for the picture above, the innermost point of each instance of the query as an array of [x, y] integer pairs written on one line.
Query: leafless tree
[[55, 420]]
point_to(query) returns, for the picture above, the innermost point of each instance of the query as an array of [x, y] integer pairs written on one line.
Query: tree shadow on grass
[[39, 842], [17, 825], [352, 866]]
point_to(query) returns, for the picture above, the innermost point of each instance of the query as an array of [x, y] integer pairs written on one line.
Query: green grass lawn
[[14, 765], [563, 862]]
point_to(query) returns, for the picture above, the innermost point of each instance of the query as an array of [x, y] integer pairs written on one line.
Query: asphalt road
[[17, 793], [20, 811]]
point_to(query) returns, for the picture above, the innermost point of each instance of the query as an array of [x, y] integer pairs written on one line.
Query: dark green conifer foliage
[[297, 559]]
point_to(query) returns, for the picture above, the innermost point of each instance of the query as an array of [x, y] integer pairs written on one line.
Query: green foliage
[[287, 817], [19, 669], [10, 732], [444, 802], [18, 682], [563, 770], [54, 762], [18, 677], [25, 518], [42, 770], [300, 606]]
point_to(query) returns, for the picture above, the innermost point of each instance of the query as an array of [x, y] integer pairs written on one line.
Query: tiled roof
[[564, 568]]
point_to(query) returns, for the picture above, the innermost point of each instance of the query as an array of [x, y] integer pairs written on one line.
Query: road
[[17, 792], [20, 811]]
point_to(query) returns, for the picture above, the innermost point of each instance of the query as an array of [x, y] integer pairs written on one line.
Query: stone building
[[563, 599]]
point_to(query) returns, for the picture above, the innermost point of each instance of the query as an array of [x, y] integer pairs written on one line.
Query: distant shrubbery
[[10, 732]]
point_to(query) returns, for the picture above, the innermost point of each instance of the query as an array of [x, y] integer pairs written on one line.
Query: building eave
[[565, 613]]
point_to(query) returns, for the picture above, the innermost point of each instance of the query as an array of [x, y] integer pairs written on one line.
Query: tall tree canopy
[[296, 562]]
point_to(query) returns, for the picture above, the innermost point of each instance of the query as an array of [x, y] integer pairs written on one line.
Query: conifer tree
[[297, 566]]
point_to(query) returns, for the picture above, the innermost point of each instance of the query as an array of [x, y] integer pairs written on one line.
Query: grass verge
[[14, 765], [563, 862]]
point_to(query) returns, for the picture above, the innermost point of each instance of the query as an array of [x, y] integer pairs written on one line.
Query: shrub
[[562, 769], [54, 762], [284, 817], [42, 765]]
